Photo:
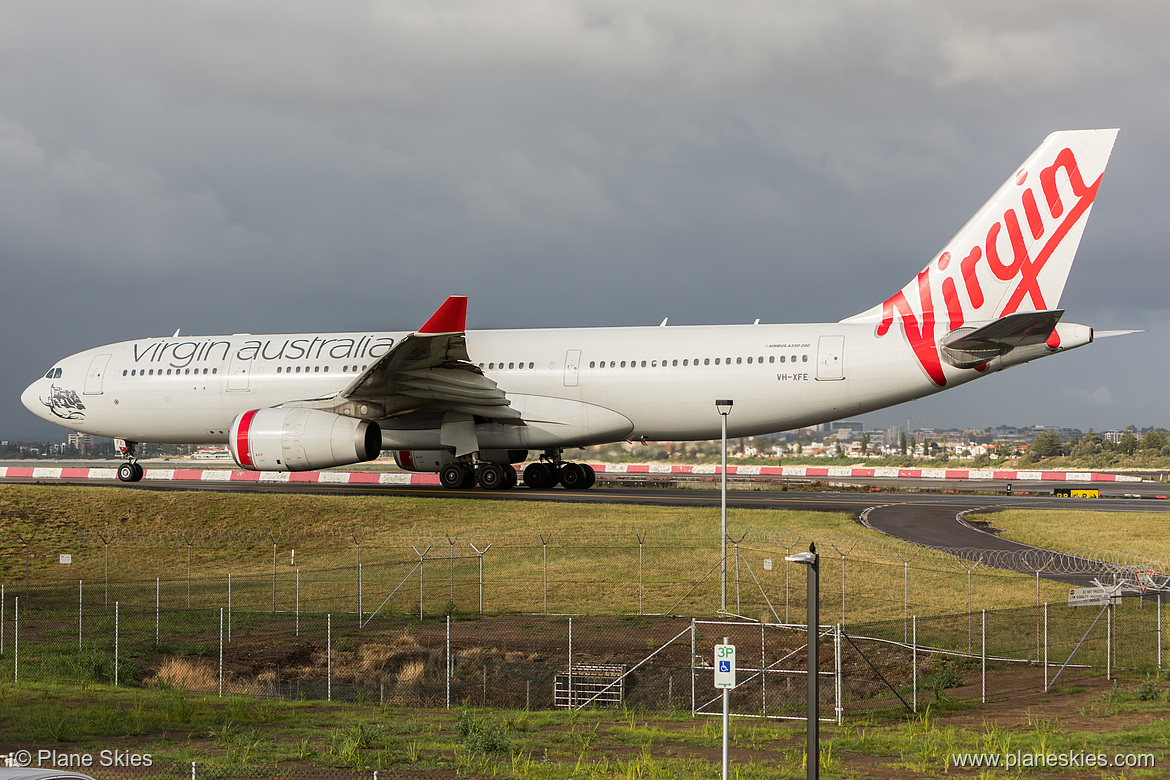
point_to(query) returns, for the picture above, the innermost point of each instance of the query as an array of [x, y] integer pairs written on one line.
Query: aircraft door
[[830, 358], [572, 364], [97, 372]]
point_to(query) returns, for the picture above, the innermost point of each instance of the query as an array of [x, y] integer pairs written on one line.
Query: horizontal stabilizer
[[970, 347]]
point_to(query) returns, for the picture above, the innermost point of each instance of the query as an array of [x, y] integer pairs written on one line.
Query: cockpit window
[[54, 373]]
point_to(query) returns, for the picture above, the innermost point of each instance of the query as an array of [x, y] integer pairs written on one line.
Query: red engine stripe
[[242, 438]]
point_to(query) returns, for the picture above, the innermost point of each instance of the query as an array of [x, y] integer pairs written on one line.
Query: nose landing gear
[[131, 470]]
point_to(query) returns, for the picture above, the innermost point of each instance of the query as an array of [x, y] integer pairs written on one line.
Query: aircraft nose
[[31, 399]]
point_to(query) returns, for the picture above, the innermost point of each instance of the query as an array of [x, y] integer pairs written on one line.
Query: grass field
[[592, 562], [593, 567]]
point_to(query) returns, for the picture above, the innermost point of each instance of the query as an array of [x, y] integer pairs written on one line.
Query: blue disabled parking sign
[[724, 666]]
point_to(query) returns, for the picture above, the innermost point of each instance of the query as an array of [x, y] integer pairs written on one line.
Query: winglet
[[451, 317]]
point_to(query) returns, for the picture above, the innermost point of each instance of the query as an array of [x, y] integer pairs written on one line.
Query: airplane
[[469, 404]]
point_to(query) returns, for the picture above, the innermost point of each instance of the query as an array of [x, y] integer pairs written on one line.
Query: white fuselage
[[574, 386]]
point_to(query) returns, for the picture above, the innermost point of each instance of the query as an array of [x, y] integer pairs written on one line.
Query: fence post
[[914, 665], [157, 581], [544, 543], [16, 640], [78, 620], [116, 643], [693, 639], [229, 615], [270, 536], [189, 543], [1109, 641], [448, 661], [329, 655], [298, 602], [570, 663], [221, 651], [838, 671], [641, 539], [983, 659], [2, 620], [1159, 633], [480, 553], [358, 552], [1045, 646]]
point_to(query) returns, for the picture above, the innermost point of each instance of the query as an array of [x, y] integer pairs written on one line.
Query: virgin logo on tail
[[1031, 225]]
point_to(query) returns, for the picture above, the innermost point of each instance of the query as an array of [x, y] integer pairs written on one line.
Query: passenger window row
[[159, 372], [689, 362]]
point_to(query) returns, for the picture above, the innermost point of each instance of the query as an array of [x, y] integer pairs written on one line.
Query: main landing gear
[[490, 476], [464, 475], [573, 476], [130, 471]]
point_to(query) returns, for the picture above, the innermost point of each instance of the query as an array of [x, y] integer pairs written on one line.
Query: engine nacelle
[[434, 460], [301, 440]]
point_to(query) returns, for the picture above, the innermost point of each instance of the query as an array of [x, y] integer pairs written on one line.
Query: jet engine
[[301, 440]]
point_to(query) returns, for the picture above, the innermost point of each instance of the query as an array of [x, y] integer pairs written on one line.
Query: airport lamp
[[723, 406], [810, 559]]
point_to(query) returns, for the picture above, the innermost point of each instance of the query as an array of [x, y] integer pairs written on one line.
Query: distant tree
[[864, 443], [1154, 440], [1046, 445], [1128, 442], [902, 444]]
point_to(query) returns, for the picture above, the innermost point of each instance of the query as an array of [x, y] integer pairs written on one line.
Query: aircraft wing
[[429, 368]]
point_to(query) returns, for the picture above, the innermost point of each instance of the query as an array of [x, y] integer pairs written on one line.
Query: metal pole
[[116, 644], [221, 651], [229, 614], [544, 544], [693, 639], [723, 525], [298, 602], [360, 613], [914, 665], [156, 609], [1046, 646], [571, 663], [983, 659], [188, 541], [448, 662], [1159, 634], [78, 620], [273, 572], [16, 640], [726, 703], [1109, 641], [329, 655], [814, 699]]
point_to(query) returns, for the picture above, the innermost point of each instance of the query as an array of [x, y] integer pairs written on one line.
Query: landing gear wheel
[[468, 477], [574, 476], [453, 476], [510, 477], [538, 476], [130, 472], [492, 476], [590, 476]]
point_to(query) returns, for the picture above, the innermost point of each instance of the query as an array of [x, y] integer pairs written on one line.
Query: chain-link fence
[[642, 662], [644, 572]]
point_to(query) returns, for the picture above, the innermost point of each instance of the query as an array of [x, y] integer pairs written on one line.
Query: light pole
[[724, 408], [811, 559]]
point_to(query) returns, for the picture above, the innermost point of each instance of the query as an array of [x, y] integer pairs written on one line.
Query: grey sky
[[283, 166]]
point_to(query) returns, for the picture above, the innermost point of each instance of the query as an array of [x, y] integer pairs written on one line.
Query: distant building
[[82, 442]]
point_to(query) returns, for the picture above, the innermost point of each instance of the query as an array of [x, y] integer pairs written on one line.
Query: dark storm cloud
[[277, 166]]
